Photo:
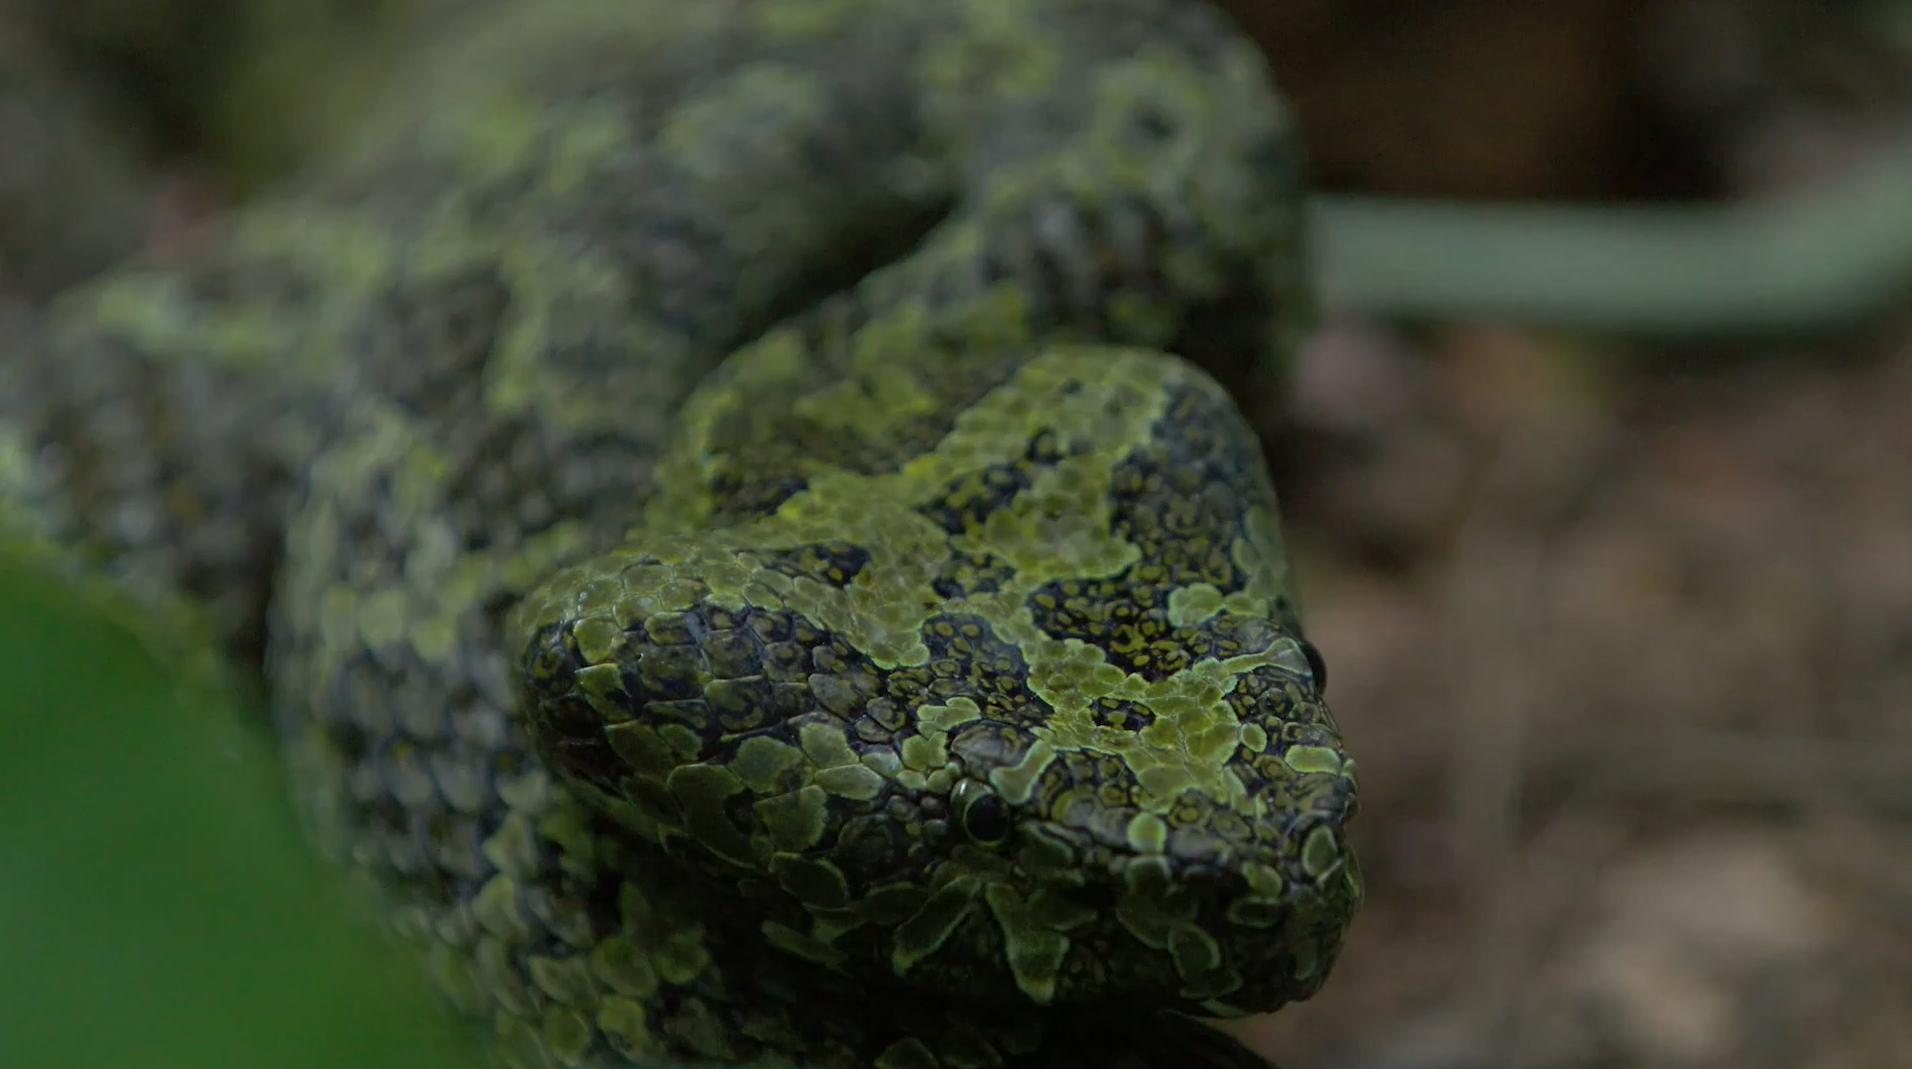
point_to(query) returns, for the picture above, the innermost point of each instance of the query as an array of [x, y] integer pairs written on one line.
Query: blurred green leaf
[[157, 904]]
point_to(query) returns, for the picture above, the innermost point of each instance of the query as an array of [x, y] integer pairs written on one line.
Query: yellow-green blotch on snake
[[735, 511]]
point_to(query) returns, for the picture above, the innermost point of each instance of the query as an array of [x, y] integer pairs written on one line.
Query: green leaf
[[158, 906]]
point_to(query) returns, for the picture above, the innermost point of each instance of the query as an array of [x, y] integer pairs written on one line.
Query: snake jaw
[[1207, 912], [1214, 930], [969, 847]]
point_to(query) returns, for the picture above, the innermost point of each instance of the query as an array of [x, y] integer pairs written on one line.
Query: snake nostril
[[986, 818]]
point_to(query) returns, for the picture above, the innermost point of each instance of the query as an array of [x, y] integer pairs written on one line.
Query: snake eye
[[1316, 667], [985, 817]]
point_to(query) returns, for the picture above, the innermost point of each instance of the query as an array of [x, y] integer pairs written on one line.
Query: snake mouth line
[[1219, 923]]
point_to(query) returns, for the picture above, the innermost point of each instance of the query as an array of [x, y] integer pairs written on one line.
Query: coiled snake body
[[916, 685]]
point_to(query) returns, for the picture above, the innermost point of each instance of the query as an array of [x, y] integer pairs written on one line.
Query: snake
[[743, 518]]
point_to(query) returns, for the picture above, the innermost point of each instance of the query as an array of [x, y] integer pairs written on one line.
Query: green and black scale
[[735, 510]]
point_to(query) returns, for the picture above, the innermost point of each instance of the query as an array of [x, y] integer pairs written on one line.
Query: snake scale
[[736, 512]]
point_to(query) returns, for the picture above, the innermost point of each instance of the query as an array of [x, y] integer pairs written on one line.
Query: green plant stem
[[1819, 260]]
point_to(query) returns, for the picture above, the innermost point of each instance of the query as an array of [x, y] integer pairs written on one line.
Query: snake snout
[[1240, 932]]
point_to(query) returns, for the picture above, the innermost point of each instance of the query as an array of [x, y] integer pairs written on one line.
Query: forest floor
[[1620, 634]]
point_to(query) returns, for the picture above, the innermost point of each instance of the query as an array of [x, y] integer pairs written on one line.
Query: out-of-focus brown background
[[1620, 632]]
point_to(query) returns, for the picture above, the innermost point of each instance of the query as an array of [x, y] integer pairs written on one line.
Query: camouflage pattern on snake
[[737, 515]]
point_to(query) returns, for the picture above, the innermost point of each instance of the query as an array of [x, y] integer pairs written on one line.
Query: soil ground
[[1620, 634]]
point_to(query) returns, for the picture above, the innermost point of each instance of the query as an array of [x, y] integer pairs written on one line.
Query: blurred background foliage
[[1619, 611], [160, 907]]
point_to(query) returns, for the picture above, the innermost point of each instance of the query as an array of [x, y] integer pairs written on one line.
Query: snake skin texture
[[735, 510]]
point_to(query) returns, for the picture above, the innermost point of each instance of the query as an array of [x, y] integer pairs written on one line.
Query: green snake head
[[979, 672]]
